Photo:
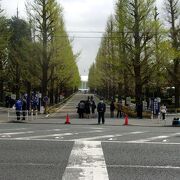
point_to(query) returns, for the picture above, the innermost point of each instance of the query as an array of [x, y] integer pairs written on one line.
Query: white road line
[[140, 166], [16, 133], [86, 162], [155, 138], [43, 136], [26, 164], [57, 135], [61, 140], [13, 129], [107, 136]]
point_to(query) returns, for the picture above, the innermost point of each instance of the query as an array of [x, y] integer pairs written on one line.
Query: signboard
[[13, 96]]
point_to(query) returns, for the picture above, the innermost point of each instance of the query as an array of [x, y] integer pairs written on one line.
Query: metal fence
[[28, 115]]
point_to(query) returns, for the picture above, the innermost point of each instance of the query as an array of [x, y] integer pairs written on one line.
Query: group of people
[[86, 107], [23, 105]]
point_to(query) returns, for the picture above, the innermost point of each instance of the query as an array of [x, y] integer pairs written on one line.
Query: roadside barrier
[[28, 115]]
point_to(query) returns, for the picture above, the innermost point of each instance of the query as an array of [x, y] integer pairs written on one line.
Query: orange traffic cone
[[67, 120], [126, 120]]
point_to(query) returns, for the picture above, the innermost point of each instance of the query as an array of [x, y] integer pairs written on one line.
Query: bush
[[132, 113]]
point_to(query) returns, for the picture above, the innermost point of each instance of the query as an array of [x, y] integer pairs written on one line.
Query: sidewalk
[[41, 118], [145, 122], [4, 116]]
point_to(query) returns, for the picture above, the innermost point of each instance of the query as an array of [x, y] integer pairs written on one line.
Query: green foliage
[[37, 54], [55, 58]]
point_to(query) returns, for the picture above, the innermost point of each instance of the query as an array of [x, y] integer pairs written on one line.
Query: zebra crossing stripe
[[86, 162]]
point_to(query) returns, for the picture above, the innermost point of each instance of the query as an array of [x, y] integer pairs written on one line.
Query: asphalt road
[[47, 149]]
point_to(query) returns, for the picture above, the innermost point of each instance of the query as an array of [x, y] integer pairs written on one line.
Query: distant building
[[84, 83]]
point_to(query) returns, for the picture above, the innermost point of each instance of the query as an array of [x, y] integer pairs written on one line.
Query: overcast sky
[[79, 15]]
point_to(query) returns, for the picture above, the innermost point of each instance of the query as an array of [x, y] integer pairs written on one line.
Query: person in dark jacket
[[93, 107], [119, 109], [81, 109], [18, 106], [101, 109], [112, 108], [87, 108], [24, 107]]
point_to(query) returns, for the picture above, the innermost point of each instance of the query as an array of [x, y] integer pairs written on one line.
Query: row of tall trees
[[38, 53], [138, 53]]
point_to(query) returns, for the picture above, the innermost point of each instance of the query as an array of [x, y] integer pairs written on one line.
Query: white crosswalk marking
[[155, 138], [107, 136], [148, 167], [57, 135], [86, 162], [43, 136], [12, 129], [8, 135], [15, 133]]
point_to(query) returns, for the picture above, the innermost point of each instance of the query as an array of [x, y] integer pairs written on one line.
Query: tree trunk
[[17, 85], [45, 58], [52, 92], [1, 90], [177, 96], [176, 79]]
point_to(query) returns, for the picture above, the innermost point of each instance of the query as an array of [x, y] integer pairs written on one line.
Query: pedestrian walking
[[112, 108], [163, 110], [101, 109], [18, 106]]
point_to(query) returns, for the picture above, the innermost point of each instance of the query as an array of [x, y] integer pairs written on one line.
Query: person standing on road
[[93, 107], [18, 106], [119, 108], [87, 108], [163, 110], [24, 107], [101, 109], [81, 109], [112, 108]]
